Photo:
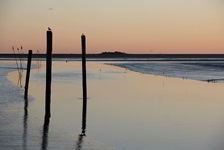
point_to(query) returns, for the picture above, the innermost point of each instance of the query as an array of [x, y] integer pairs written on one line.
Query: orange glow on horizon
[[194, 26]]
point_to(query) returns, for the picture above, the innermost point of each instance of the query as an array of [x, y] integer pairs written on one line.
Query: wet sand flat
[[126, 110]]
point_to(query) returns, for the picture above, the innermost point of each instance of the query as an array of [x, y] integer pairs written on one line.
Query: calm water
[[126, 110]]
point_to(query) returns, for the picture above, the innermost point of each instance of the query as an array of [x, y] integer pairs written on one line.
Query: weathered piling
[[83, 41], [28, 73], [48, 74]]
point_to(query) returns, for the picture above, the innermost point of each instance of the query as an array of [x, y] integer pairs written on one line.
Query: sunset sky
[[131, 26]]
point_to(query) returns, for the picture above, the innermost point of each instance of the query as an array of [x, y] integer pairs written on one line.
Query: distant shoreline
[[128, 57]]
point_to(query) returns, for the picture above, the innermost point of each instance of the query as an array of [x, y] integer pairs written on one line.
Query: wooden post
[[83, 41], [48, 74], [28, 73]]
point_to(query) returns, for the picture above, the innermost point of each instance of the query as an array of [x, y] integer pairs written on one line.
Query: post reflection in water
[[25, 124], [79, 142], [45, 133]]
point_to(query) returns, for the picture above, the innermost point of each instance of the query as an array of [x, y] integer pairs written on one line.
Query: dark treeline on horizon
[[117, 55]]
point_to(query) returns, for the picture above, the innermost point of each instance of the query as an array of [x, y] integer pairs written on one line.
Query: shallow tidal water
[[126, 110]]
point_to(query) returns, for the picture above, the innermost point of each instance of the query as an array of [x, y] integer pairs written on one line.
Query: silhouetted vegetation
[[113, 53]]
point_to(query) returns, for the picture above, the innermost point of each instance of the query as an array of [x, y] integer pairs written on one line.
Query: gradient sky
[[131, 26]]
